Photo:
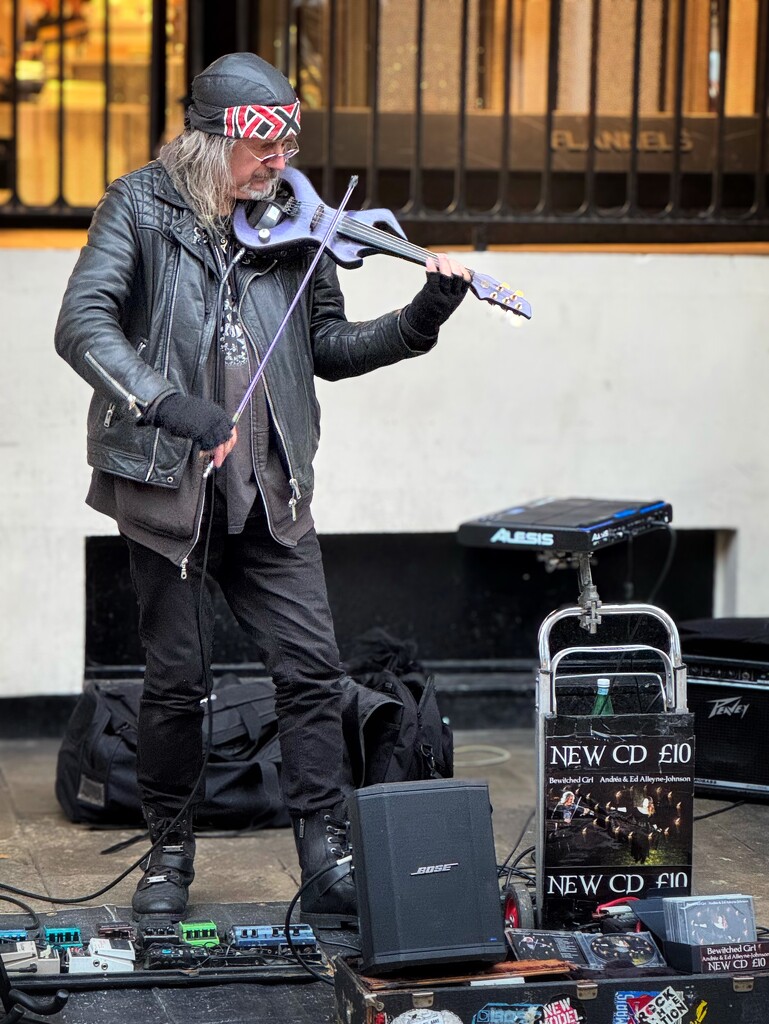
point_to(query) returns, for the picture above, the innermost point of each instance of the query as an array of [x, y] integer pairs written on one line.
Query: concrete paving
[[41, 851]]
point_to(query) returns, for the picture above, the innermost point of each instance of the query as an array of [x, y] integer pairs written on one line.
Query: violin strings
[[368, 233]]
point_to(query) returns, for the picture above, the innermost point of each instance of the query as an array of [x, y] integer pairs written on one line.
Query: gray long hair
[[199, 166]]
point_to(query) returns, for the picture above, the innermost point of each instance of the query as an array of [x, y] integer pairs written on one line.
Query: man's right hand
[[203, 422], [220, 453]]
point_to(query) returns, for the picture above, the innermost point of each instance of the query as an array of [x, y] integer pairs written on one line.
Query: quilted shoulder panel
[[155, 199]]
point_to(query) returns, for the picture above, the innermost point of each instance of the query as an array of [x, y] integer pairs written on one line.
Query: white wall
[[638, 377]]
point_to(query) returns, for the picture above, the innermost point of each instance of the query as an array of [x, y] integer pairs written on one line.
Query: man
[[167, 317]]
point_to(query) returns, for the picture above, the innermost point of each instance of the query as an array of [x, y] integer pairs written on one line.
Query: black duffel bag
[[96, 767]]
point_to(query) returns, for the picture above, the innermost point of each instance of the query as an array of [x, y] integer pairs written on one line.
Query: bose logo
[[433, 869]]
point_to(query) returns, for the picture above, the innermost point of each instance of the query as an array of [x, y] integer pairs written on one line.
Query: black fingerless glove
[[196, 418], [432, 307]]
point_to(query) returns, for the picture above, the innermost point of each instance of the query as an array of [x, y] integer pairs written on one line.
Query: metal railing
[[485, 121]]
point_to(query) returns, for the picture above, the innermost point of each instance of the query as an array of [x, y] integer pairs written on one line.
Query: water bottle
[[603, 704]]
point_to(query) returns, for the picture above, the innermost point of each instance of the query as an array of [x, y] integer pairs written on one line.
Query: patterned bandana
[[261, 122]]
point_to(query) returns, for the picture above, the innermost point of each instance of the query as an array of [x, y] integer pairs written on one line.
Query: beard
[[266, 190]]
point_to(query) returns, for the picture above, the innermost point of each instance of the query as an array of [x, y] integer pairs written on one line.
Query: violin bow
[[292, 306]]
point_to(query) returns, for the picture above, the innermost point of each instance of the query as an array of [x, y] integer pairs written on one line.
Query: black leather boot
[[321, 841], [162, 891]]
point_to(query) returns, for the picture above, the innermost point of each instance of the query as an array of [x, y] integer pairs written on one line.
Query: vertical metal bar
[[482, 77], [762, 108], [674, 201], [60, 201], [242, 24], [414, 204], [372, 170], [158, 65], [501, 205], [759, 68], [546, 188], [588, 204], [14, 166], [662, 78], [717, 186], [107, 79], [631, 200], [458, 202], [286, 55], [330, 80], [194, 48]]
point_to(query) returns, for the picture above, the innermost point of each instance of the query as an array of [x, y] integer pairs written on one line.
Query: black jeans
[[278, 595]]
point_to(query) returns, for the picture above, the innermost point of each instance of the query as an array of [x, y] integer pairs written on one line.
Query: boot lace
[[337, 835]]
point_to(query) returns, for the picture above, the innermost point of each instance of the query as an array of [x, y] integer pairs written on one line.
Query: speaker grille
[[731, 723], [425, 873]]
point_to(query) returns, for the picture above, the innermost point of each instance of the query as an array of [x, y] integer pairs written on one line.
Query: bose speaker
[[426, 875]]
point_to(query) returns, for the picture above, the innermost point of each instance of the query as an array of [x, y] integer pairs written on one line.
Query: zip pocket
[[131, 400]]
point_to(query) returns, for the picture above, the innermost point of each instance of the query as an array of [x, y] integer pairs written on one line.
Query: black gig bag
[[96, 767], [393, 728]]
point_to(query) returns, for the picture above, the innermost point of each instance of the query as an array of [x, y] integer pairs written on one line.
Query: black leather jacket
[[140, 313]]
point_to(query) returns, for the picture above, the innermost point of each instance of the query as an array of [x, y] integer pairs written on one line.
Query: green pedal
[[199, 933]]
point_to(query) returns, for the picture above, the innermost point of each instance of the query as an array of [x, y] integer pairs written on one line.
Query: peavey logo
[[433, 869], [537, 540], [728, 706]]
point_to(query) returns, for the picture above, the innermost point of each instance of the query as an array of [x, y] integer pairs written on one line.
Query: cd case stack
[[586, 950], [709, 920]]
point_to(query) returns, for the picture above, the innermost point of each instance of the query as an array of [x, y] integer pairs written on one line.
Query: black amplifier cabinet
[[730, 702]]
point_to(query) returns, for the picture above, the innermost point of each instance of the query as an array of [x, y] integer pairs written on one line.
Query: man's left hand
[[446, 286]]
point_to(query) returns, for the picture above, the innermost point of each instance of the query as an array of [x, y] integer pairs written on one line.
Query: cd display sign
[[616, 819]]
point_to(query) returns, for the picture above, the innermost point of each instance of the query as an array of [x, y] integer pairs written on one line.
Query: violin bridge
[[316, 217]]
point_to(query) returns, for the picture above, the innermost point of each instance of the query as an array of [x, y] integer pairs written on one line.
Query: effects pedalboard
[[120, 948]]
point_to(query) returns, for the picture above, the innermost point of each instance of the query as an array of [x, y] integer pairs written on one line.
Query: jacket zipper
[[113, 405], [185, 561], [250, 404], [296, 493], [131, 400], [166, 362], [263, 496]]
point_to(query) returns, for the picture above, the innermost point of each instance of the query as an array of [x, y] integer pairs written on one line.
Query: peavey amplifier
[[730, 702], [727, 664], [426, 875]]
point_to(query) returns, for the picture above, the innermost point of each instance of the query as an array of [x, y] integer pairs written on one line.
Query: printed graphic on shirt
[[232, 341]]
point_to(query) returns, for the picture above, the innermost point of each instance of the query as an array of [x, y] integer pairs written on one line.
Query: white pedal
[[83, 961], [26, 958], [112, 949]]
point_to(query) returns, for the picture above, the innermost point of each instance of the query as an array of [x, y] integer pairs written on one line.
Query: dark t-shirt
[[253, 471]]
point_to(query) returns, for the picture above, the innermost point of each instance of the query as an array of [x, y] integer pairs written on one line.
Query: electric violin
[[300, 217]]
